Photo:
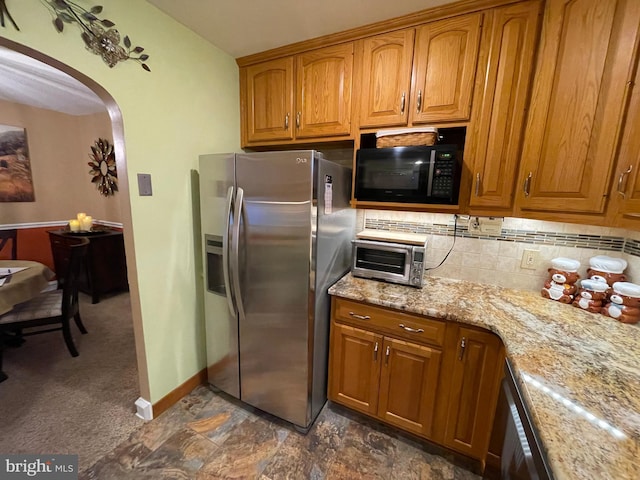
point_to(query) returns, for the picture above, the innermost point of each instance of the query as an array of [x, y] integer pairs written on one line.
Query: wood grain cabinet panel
[[626, 187], [473, 394], [355, 368], [577, 105], [386, 79], [504, 77], [269, 106], [444, 69], [323, 95], [408, 385]]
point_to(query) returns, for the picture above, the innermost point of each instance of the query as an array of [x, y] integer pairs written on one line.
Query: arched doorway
[[117, 132]]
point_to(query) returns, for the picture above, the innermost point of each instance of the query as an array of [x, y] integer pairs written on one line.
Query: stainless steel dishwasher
[[522, 455]]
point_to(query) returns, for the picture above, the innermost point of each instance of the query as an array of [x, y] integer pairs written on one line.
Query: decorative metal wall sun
[[103, 167]]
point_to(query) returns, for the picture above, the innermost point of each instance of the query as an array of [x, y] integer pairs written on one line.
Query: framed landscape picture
[[16, 184]]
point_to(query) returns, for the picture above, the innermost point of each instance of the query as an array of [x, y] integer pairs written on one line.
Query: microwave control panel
[[444, 175]]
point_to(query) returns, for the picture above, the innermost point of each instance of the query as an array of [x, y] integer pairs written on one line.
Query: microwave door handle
[[225, 252], [432, 165], [235, 251]]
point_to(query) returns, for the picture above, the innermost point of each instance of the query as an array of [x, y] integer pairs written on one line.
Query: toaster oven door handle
[[360, 317]]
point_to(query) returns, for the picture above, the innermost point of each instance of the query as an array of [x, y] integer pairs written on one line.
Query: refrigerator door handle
[[235, 251], [225, 253]]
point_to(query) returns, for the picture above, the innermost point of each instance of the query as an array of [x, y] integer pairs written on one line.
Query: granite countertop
[[579, 372]]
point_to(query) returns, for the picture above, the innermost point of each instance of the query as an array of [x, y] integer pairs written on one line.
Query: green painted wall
[[186, 106]]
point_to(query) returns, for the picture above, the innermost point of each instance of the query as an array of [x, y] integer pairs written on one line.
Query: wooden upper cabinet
[[577, 104], [269, 100], [503, 80], [323, 91], [626, 189], [444, 68], [386, 79], [474, 391]]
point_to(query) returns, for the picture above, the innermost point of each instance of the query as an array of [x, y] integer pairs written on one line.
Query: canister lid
[[594, 285], [607, 264], [627, 288], [566, 264]]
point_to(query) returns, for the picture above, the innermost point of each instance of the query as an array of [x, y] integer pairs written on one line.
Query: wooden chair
[[50, 308], [5, 236]]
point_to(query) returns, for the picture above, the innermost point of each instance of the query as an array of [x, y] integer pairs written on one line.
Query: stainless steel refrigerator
[[277, 228]]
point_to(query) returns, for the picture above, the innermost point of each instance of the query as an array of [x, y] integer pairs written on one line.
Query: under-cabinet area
[[544, 92], [433, 378]]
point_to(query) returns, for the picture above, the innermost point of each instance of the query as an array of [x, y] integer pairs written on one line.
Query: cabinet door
[[408, 384], [354, 368], [502, 95], [386, 79], [269, 100], [473, 394], [578, 97], [627, 181], [323, 91], [444, 69]]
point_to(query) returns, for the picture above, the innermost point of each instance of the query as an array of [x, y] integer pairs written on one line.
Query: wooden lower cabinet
[[355, 368], [475, 382], [444, 393], [387, 378], [408, 384]]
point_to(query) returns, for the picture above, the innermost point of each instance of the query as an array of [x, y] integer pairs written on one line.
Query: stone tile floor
[[209, 436]]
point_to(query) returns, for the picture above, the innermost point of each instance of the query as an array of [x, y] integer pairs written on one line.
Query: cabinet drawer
[[393, 322]]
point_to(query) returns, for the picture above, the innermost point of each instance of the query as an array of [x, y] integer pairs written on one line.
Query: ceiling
[[238, 27], [30, 82], [245, 27]]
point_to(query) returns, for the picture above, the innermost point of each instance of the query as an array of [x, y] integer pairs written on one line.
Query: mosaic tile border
[[577, 240]]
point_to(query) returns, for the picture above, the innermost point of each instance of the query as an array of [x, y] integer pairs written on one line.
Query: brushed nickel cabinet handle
[[621, 190], [409, 329], [463, 345], [375, 352], [360, 317], [386, 355], [419, 102], [298, 119], [286, 122], [402, 103], [527, 184], [477, 184]]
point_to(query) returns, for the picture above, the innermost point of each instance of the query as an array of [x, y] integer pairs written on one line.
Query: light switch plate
[[144, 184]]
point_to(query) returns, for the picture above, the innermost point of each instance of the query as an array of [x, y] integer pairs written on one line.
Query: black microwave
[[421, 174]]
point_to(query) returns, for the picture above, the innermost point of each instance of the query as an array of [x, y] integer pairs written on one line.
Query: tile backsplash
[[496, 259]]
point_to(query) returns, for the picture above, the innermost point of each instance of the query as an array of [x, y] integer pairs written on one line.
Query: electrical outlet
[[530, 259], [474, 225]]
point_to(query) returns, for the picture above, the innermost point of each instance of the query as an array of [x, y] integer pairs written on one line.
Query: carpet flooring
[[54, 403]]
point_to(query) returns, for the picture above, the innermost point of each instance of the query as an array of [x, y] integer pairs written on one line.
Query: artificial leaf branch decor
[[98, 33], [4, 10]]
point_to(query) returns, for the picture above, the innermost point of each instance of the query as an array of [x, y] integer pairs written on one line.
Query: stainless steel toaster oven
[[392, 262]]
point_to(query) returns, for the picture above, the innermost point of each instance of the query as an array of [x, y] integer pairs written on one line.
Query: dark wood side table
[[106, 265]]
